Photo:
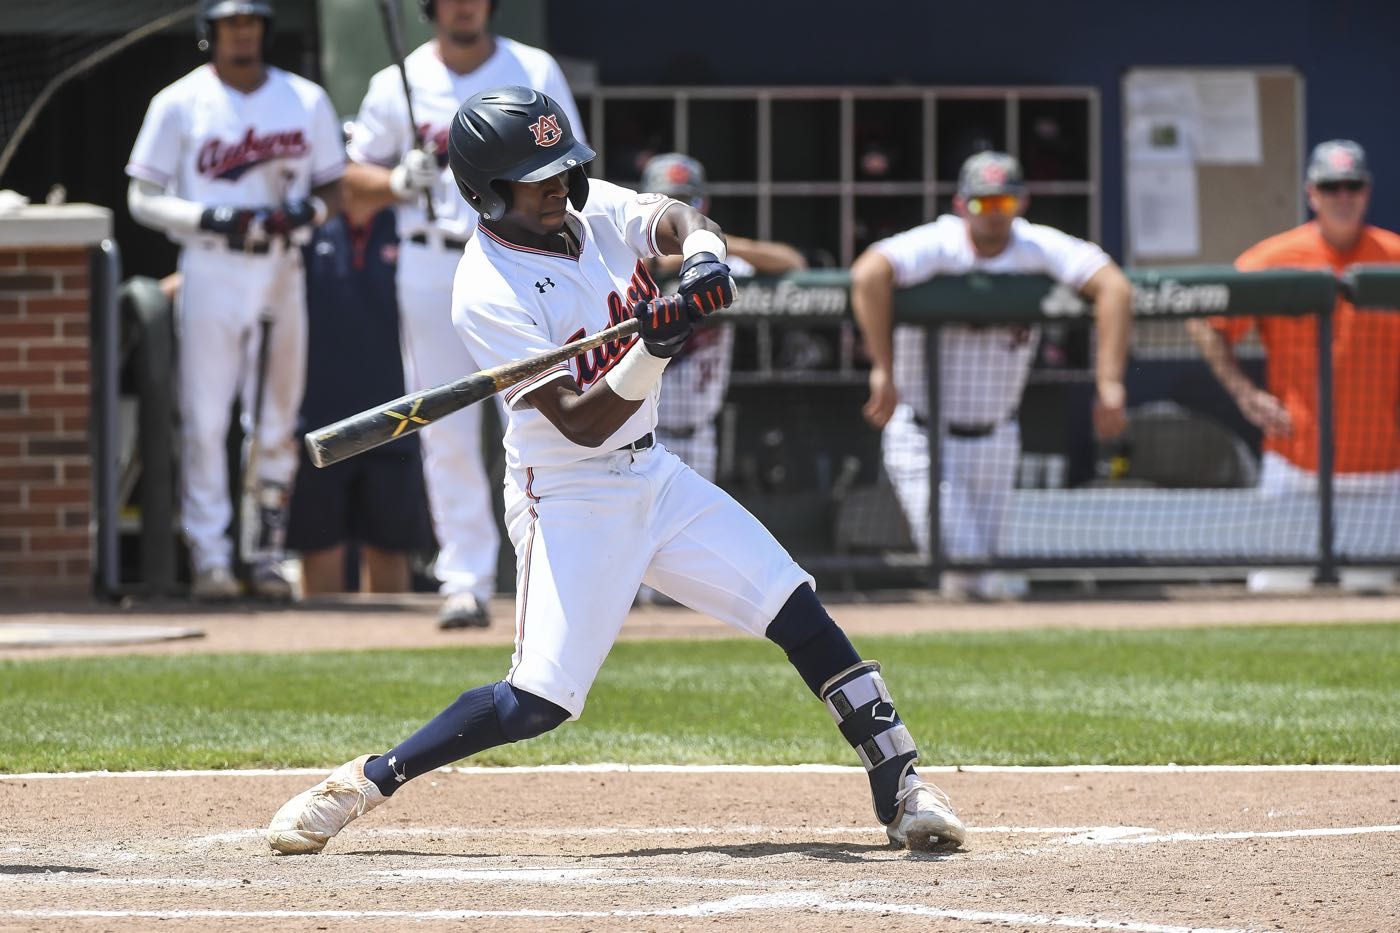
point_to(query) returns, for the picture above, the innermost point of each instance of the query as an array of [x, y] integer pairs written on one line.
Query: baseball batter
[[463, 57], [595, 505], [982, 370], [236, 162]]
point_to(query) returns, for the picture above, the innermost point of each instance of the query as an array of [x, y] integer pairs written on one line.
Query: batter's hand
[[1110, 414], [665, 325], [883, 398], [416, 172], [1265, 412], [706, 285]]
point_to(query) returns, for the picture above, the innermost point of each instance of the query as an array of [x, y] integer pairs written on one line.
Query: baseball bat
[[389, 11], [417, 410], [249, 512]]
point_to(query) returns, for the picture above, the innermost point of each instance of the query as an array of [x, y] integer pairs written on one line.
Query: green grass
[[1219, 695]]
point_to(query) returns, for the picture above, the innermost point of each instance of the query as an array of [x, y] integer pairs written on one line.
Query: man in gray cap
[[982, 370], [1366, 379], [697, 378]]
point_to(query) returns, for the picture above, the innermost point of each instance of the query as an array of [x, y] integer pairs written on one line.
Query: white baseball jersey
[[212, 144], [982, 369], [511, 302], [382, 134]]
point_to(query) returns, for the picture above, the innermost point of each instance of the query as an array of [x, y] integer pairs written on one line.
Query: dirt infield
[[408, 622], [1143, 850], [531, 851]]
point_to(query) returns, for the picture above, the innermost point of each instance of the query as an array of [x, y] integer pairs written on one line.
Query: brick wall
[[46, 498]]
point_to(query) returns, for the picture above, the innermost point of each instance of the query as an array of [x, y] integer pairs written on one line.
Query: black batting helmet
[[428, 8], [513, 133], [210, 10]]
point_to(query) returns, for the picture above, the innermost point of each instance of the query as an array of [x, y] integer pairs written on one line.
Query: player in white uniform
[[463, 57], [698, 377], [982, 369], [236, 162], [594, 505]]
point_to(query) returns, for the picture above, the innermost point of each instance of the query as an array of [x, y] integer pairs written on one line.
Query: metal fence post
[[936, 558], [105, 268], [1326, 517]]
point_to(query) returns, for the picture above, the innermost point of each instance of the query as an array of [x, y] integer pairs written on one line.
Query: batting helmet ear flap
[[578, 187]]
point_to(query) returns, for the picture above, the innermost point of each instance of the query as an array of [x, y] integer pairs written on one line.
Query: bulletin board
[[1213, 161]]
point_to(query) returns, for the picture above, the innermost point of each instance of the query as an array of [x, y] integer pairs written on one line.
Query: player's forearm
[[587, 418], [1113, 322], [766, 257], [872, 303], [152, 207], [1220, 357], [678, 223], [368, 187]]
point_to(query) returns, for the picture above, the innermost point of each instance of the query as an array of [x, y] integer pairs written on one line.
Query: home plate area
[[1148, 850]]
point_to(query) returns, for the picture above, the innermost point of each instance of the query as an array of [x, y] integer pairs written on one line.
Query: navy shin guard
[[860, 703]]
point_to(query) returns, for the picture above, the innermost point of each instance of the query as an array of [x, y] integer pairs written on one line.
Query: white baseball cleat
[[215, 584], [925, 821], [308, 821]]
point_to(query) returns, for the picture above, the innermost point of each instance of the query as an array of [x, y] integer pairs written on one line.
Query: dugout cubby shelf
[[831, 170]]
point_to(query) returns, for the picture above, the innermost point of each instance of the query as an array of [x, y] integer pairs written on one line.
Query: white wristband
[[703, 241], [319, 211], [636, 374]]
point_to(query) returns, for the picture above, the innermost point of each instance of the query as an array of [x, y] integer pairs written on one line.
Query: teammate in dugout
[[594, 505], [1365, 348], [236, 162], [387, 169], [698, 376], [982, 370]]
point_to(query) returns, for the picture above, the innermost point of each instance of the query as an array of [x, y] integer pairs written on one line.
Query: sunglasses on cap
[[1332, 187], [994, 204]]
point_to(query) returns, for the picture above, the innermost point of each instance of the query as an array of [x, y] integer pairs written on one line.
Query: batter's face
[[238, 39], [1340, 208], [462, 22], [539, 207]]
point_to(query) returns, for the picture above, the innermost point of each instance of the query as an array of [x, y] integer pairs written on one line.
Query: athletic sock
[[814, 643], [468, 726]]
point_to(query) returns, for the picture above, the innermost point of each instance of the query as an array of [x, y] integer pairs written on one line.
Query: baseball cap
[[1338, 160], [676, 175], [990, 172]]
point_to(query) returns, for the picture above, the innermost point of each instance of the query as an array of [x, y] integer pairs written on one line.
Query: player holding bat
[[236, 162], [397, 161], [595, 507]]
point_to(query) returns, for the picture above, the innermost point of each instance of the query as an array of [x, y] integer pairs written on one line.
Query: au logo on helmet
[[546, 130]]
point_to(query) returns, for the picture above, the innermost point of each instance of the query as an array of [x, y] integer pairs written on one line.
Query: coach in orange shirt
[[1365, 357]]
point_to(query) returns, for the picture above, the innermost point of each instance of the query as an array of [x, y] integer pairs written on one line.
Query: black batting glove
[[230, 222], [665, 325], [706, 285], [290, 217]]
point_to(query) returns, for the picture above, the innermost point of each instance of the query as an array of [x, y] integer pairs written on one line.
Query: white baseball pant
[[587, 535], [222, 295], [459, 494], [978, 477]]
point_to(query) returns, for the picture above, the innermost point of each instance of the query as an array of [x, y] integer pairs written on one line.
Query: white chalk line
[[613, 768], [1213, 837], [784, 901], [1075, 835]]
